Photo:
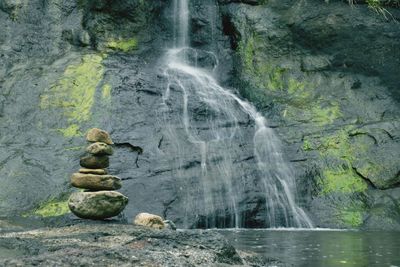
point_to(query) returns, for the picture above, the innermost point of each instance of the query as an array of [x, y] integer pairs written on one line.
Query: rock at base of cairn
[[95, 182], [97, 205], [149, 220]]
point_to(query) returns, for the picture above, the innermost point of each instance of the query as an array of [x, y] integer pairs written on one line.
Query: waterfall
[[221, 125]]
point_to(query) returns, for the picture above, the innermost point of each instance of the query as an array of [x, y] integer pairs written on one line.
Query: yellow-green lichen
[[296, 93], [74, 93], [324, 116], [71, 131], [124, 45], [307, 145], [106, 93], [51, 208], [338, 146], [341, 180]]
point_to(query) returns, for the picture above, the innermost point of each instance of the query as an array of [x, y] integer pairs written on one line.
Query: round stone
[[149, 220], [95, 162], [95, 182], [99, 148], [98, 135], [97, 205]]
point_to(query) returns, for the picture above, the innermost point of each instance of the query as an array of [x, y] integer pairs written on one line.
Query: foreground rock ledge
[[117, 245]]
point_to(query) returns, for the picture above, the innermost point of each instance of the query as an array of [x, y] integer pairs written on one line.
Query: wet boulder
[[97, 205]]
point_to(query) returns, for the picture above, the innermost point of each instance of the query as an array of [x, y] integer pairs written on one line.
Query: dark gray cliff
[[324, 74]]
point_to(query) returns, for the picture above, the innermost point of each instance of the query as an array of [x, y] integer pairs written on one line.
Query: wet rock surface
[[58, 55], [117, 245], [324, 80]]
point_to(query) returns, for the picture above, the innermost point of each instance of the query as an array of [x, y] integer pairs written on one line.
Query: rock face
[[149, 220], [97, 205], [333, 101], [95, 182], [335, 105], [95, 162], [99, 148]]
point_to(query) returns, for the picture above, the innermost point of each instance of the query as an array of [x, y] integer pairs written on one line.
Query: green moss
[[323, 116], [338, 146], [351, 218], [342, 180], [282, 85], [307, 145], [124, 45], [51, 208], [74, 93]]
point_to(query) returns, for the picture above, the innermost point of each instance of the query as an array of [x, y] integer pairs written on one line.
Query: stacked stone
[[99, 200]]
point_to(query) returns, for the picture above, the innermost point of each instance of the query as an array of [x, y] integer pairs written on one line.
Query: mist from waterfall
[[223, 114]]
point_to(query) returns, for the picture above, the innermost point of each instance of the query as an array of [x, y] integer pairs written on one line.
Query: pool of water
[[320, 247]]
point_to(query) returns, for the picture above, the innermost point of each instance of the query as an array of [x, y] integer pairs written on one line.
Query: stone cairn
[[99, 200]]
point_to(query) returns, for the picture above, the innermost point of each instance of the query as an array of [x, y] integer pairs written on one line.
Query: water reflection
[[321, 248]]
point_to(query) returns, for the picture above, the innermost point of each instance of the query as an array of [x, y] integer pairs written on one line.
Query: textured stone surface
[[95, 182], [95, 162], [99, 148], [114, 245], [53, 87], [149, 220], [98, 135], [97, 205]]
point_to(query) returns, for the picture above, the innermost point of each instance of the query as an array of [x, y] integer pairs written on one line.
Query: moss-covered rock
[[74, 93]]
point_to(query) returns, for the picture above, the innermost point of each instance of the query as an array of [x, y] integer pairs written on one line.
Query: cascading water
[[220, 126]]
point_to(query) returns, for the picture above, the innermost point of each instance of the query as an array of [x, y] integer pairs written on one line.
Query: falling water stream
[[224, 112]]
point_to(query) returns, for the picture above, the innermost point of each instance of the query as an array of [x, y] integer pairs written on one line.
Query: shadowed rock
[[93, 171], [95, 162]]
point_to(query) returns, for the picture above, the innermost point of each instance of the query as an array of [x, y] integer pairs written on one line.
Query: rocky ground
[[111, 244]]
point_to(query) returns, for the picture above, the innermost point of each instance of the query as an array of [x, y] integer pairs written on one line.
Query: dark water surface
[[320, 247]]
